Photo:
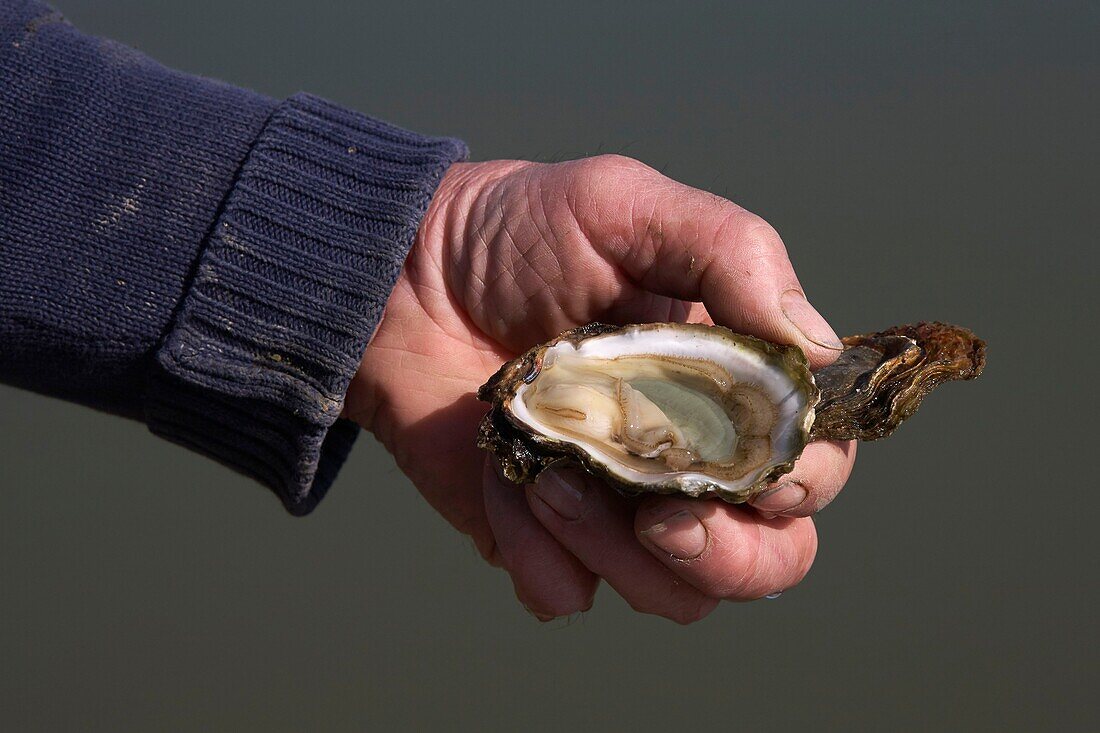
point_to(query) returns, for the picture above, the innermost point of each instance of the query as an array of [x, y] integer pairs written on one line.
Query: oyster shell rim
[[523, 454]]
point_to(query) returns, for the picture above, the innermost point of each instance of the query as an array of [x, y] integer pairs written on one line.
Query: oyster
[[880, 379], [701, 410]]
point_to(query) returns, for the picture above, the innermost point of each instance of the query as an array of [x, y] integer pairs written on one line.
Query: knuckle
[[613, 164], [746, 244], [757, 227], [758, 240], [623, 162]]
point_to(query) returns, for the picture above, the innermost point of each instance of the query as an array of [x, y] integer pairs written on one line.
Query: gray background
[[922, 160]]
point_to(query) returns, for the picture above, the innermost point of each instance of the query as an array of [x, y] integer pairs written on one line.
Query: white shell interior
[[744, 363]]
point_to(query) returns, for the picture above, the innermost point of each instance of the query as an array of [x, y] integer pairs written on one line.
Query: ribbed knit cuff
[[288, 291]]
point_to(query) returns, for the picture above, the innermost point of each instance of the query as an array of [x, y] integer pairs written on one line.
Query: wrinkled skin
[[510, 254]]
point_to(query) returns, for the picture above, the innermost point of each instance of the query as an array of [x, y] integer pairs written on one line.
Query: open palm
[[510, 254]]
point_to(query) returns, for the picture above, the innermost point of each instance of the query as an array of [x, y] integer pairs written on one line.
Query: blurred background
[[921, 160]]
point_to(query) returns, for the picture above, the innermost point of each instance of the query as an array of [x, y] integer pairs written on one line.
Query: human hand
[[511, 253]]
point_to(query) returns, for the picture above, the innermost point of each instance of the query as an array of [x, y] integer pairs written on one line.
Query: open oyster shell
[[703, 411]]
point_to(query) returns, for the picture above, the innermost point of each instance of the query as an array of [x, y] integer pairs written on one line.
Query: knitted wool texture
[[195, 255]]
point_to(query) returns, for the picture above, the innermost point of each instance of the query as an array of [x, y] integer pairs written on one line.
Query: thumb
[[684, 243]]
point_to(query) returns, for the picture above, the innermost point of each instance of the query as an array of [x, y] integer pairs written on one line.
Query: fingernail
[[807, 320], [682, 535], [562, 490], [781, 499]]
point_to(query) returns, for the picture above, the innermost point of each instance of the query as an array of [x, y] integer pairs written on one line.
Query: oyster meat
[[701, 410]]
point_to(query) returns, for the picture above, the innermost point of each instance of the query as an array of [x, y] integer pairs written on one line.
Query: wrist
[[366, 392], [464, 194]]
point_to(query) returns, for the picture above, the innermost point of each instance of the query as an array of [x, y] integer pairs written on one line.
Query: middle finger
[[596, 525]]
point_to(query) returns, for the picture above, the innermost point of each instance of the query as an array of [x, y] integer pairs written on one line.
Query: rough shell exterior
[[880, 378], [877, 382]]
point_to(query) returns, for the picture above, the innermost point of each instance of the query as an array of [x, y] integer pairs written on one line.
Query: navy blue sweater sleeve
[[194, 255]]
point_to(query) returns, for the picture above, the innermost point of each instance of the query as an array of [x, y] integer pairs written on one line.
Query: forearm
[[192, 254], [112, 169]]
